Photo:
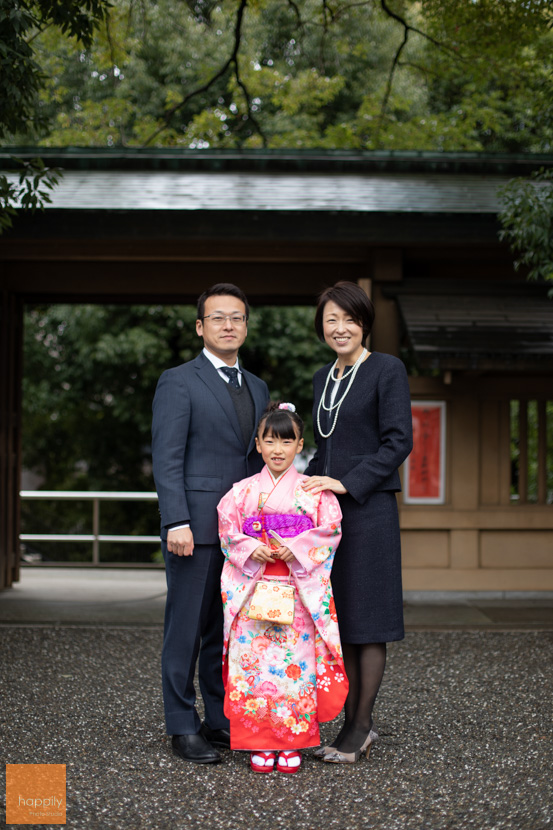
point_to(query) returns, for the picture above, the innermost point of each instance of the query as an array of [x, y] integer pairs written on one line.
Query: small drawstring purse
[[273, 601]]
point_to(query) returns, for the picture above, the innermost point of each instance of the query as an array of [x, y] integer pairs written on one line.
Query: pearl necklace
[[352, 371]]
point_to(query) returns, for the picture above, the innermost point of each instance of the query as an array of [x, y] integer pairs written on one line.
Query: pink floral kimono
[[281, 681]]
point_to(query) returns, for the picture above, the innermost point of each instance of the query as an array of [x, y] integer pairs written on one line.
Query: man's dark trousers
[[195, 580]]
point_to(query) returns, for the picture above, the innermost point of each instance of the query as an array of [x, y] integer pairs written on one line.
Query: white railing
[[96, 538]]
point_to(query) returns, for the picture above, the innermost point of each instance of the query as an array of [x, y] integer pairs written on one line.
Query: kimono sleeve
[[236, 546], [313, 547]]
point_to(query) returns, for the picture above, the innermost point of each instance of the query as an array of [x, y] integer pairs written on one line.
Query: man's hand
[[180, 541]]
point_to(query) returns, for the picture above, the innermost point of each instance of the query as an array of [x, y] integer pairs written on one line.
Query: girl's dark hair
[[280, 422], [350, 297]]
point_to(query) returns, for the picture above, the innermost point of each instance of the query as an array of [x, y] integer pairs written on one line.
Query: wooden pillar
[[463, 444], [387, 266], [542, 453], [490, 450], [367, 286], [11, 328], [523, 452]]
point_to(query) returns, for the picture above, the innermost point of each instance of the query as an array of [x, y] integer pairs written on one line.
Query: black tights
[[364, 666]]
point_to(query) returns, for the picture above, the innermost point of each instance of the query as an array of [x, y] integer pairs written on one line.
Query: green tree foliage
[[493, 74], [527, 219], [22, 23], [380, 74], [30, 190], [21, 75]]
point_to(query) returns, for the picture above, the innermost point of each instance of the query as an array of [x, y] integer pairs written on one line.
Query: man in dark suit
[[204, 417]]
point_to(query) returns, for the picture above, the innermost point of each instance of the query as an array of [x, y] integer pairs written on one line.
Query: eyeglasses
[[219, 319]]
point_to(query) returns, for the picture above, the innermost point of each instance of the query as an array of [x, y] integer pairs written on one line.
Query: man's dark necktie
[[232, 375]]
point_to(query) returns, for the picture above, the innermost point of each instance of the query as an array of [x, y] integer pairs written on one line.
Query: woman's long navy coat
[[372, 438]]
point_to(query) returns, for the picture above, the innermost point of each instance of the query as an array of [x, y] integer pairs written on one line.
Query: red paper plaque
[[425, 468]]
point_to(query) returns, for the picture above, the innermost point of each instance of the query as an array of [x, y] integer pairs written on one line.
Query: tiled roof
[[462, 326], [256, 191], [278, 180]]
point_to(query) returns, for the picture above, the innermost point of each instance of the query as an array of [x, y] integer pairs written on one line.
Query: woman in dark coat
[[363, 431]]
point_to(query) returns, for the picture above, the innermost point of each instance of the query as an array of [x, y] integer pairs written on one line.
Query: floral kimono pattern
[[281, 681]]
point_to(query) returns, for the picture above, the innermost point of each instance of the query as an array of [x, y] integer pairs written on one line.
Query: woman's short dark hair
[[221, 289], [353, 300], [280, 422]]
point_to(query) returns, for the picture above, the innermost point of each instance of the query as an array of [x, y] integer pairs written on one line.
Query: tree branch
[[204, 87], [343, 9], [327, 16], [389, 82], [407, 26], [424, 70], [111, 49], [407, 29], [246, 94], [296, 12], [39, 31]]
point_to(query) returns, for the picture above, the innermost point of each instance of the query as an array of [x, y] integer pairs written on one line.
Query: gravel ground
[[464, 718]]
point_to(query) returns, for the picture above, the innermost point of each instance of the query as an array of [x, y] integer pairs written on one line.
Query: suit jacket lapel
[[210, 376]]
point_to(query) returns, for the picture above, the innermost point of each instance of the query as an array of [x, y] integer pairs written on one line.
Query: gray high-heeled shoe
[[324, 750], [336, 757]]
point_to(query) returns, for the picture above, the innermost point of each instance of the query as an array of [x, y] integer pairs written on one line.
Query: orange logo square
[[35, 794]]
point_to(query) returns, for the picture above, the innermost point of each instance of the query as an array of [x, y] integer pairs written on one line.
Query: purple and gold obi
[[287, 525]]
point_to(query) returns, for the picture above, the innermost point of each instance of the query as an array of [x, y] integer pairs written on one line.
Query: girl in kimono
[[281, 680]]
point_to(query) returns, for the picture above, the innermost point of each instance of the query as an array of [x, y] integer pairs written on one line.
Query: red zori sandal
[[262, 761], [289, 761]]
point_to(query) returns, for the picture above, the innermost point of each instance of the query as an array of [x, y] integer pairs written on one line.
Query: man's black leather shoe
[[195, 748], [216, 737]]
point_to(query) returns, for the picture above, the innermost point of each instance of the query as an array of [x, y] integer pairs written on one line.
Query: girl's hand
[[262, 554], [285, 554], [316, 484]]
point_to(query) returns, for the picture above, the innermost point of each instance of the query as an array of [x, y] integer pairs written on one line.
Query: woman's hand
[[262, 554], [316, 484], [285, 554]]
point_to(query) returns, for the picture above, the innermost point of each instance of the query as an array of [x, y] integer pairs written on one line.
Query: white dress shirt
[[218, 363]]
